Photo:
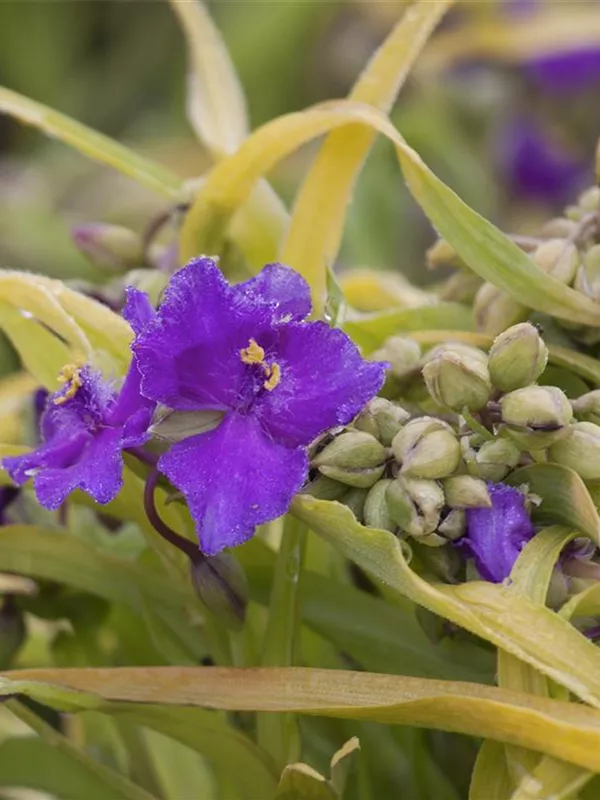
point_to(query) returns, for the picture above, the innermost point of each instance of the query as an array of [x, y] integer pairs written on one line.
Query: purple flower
[[84, 427], [568, 71], [244, 350], [495, 536], [7, 495], [537, 167]]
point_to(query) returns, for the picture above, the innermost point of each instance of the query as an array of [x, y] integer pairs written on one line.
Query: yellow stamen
[[273, 374], [253, 354], [71, 375]]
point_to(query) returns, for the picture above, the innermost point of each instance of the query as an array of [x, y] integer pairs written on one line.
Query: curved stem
[[180, 542]]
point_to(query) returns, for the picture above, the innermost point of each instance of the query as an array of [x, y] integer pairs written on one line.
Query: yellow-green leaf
[[495, 612], [89, 142], [318, 218], [567, 730]]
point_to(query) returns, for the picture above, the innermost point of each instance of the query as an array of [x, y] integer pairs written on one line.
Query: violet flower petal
[[567, 71], [97, 471], [138, 310], [324, 382], [495, 536], [281, 289], [234, 478], [189, 355]]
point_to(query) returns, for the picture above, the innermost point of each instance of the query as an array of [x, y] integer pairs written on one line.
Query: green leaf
[[565, 498], [569, 731], [53, 764], [371, 330], [490, 779], [301, 782], [495, 612], [342, 763], [89, 142]]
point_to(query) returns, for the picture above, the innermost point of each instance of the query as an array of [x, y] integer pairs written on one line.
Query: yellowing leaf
[[486, 250], [318, 218], [567, 730], [495, 612], [216, 102], [89, 142]]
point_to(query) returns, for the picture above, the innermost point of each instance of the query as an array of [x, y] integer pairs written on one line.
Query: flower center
[[255, 354], [70, 375]]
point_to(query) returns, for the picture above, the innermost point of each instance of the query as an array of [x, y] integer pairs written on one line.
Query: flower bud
[[111, 248], [580, 450], [559, 228], [351, 476], [588, 406], [174, 426], [460, 287], [458, 378], [351, 450], [454, 524], [427, 448], [384, 416], [587, 279], [589, 200], [442, 254], [536, 416], [355, 500], [376, 512], [517, 357], [559, 258], [325, 488], [402, 353], [465, 491], [415, 505], [495, 310], [494, 460], [221, 584]]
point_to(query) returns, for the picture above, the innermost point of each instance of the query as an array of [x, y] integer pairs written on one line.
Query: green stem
[[277, 733]]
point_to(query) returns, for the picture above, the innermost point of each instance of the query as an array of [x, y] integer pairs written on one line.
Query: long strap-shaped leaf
[[494, 612], [485, 249], [89, 142], [318, 217], [566, 730]]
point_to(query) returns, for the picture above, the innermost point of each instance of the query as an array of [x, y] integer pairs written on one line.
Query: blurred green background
[[120, 67]]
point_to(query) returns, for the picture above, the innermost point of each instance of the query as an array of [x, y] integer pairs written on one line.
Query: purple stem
[[180, 542]]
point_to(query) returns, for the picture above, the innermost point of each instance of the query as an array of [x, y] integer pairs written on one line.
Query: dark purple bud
[[222, 586]]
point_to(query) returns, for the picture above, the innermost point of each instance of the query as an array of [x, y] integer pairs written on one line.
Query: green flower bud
[[559, 258], [355, 500], [384, 416], [442, 254], [494, 460], [460, 287], [588, 406], [517, 357], [536, 416], [402, 353], [111, 248], [352, 450], [221, 584], [359, 478], [495, 310], [587, 280], [415, 505], [458, 378], [454, 525], [580, 450], [376, 512], [325, 488], [427, 448], [559, 228], [174, 426], [589, 200], [465, 491]]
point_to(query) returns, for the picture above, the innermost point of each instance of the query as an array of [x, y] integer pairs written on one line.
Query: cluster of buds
[[567, 248], [428, 470]]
